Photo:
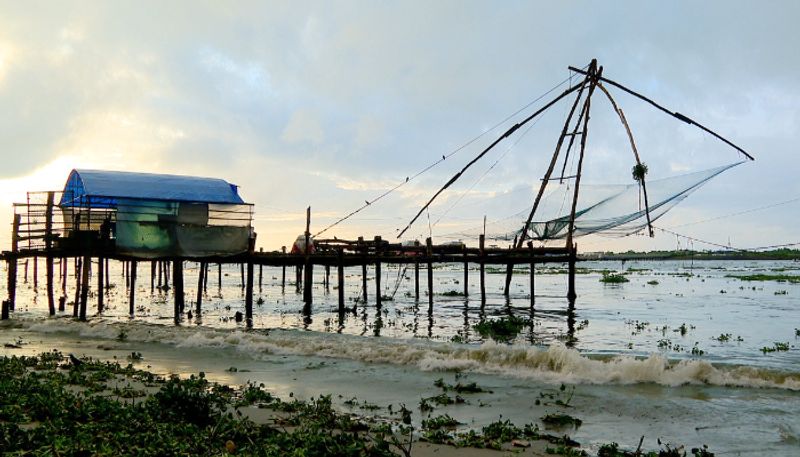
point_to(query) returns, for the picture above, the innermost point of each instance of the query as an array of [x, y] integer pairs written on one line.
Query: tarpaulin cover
[[101, 189]]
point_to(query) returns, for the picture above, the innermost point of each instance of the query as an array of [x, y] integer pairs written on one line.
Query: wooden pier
[[88, 249]]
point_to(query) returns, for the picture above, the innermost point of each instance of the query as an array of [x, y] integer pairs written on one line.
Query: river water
[[673, 354]]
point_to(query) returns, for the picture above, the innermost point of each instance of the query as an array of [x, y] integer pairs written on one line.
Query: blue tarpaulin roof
[[101, 188]]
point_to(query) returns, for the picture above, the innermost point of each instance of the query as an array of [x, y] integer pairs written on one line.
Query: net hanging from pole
[[609, 210]]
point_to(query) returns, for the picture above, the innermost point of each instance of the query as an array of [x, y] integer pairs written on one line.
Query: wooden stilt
[[340, 278], [241, 271], [466, 274], [132, 292], [25, 274], [378, 289], [571, 295], [160, 266], [177, 283], [509, 273], [248, 300], [309, 266], [363, 252], [126, 272], [84, 286], [48, 244], [108, 276], [533, 276], [35, 272], [201, 275], [205, 277], [260, 273], [12, 266], [283, 272], [63, 299], [416, 279], [327, 278], [219, 276], [298, 278], [78, 285], [167, 274], [482, 247], [100, 295], [429, 244], [152, 276]]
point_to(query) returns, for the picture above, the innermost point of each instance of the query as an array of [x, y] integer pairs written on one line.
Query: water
[[633, 350]]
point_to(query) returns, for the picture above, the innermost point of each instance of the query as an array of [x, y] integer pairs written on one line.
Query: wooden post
[[64, 266], [100, 272], [177, 284], [571, 295], [482, 247], [152, 276], [466, 273], [298, 278], [25, 274], [363, 253], [84, 286], [108, 276], [416, 279], [260, 272], [309, 266], [48, 245], [160, 274], [35, 272], [132, 292], [248, 296], [12, 263], [378, 289], [327, 278], [340, 277], [200, 281], [283, 271], [63, 299], [167, 275], [78, 270], [429, 245], [126, 273], [205, 277], [533, 275], [241, 272], [219, 276]]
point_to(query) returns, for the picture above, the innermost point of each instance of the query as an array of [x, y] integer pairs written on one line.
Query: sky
[[329, 104]]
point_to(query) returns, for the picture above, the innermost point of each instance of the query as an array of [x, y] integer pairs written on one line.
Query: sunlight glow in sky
[[329, 104]]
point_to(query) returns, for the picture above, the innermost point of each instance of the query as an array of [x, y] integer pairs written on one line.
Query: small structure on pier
[[147, 215]]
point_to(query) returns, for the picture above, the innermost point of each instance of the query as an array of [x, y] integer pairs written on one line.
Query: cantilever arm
[[488, 148], [674, 114]]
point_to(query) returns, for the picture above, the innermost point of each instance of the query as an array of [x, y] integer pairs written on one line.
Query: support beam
[[466, 274], [378, 289], [571, 295], [177, 284], [12, 263], [100, 281], [340, 278], [132, 292], [416, 280], [429, 245], [201, 276], [78, 275], [248, 296], [481, 245], [87, 261]]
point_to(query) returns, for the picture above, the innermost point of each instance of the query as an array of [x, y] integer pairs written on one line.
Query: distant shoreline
[[780, 254]]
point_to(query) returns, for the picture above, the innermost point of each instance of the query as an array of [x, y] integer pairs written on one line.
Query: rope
[[437, 162]]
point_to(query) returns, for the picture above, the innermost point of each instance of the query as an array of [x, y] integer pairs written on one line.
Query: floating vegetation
[[561, 420], [777, 347], [468, 388], [792, 279], [653, 282], [613, 278], [453, 293], [502, 330]]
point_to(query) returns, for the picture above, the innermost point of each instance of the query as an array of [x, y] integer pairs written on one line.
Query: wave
[[555, 364]]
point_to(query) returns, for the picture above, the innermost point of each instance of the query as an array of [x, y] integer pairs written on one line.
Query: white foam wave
[[556, 363]]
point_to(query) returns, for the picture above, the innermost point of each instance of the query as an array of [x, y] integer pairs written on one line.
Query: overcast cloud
[[329, 103]]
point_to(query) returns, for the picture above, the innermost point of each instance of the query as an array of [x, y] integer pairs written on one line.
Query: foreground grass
[[54, 405]]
